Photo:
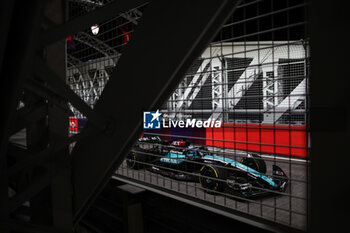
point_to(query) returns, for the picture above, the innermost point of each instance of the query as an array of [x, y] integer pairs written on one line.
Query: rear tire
[[217, 183]]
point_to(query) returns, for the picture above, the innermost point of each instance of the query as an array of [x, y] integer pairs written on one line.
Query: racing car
[[182, 160]]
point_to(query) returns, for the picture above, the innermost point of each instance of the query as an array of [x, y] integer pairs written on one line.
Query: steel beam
[[92, 3], [157, 36], [75, 63], [64, 30], [99, 63], [44, 156], [132, 15], [19, 226], [42, 91], [98, 45], [59, 169], [25, 195], [6, 8], [13, 71], [44, 72], [27, 115], [330, 118]]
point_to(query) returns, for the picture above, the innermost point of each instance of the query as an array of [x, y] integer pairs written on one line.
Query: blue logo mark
[[151, 120]]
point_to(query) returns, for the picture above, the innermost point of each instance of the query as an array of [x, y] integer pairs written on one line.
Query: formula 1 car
[[184, 161]]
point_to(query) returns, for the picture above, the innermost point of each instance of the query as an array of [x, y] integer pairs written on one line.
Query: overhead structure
[[264, 61], [57, 202], [98, 45]]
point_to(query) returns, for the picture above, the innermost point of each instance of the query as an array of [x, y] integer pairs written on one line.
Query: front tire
[[136, 160]]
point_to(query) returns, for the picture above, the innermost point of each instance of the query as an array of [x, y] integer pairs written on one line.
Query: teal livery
[[173, 158], [182, 160], [241, 166]]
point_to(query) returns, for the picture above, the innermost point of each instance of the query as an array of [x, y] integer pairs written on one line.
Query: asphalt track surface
[[289, 208]]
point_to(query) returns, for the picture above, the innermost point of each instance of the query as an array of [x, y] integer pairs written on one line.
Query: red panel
[[179, 143], [126, 36], [275, 139], [73, 124]]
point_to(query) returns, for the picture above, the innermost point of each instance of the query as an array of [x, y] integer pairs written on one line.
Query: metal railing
[[254, 79]]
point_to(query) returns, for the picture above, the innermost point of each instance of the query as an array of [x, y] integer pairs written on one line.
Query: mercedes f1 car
[[184, 161]]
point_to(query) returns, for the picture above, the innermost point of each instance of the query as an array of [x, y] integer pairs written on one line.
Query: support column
[[132, 208], [58, 125]]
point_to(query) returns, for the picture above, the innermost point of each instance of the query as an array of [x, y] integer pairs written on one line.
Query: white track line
[[284, 158]]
